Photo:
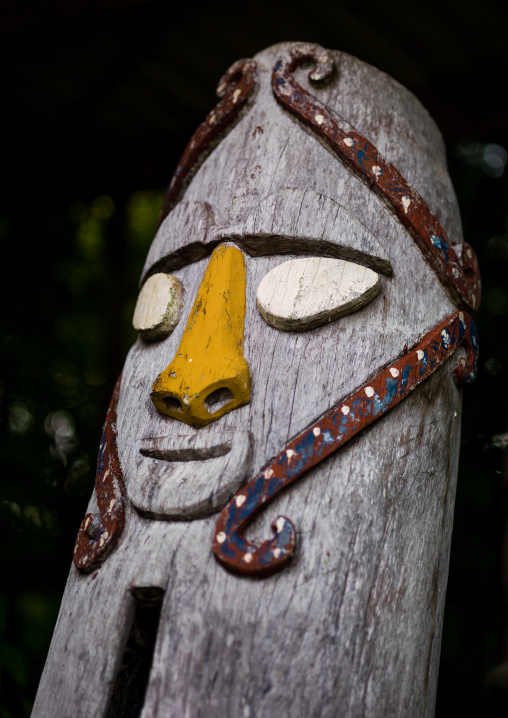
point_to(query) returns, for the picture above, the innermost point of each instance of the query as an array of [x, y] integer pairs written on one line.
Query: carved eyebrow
[[291, 221], [301, 221], [267, 246]]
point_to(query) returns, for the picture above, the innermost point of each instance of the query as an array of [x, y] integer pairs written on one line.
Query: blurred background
[[99, 98]]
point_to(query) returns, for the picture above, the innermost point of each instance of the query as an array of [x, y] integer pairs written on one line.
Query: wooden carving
[[304, 321]]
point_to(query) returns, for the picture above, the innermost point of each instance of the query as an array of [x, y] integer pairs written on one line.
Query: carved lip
[[199, 447], [194, 477]]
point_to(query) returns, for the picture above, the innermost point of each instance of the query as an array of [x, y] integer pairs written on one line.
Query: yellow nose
[[209, 375]]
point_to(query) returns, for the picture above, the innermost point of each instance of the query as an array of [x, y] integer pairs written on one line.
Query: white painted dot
[[369, 391], [221, 537], [236, 94], [419, 354], [454, 414], [221, 88], [290, 453], [277, 552], [319, 119], [316, 431], [268, 473], [211, 119], [111, 505], [190, 359], [240, 500], [75, 548], [455, 272], [376, 170], [106, 473], [345, 410], [406, 201], [192, 143], [348, 141], [280, 523], [101, 542], [87, 522], [473, 300], [461, 316], [394, 372], [248, 558], [469, 253]]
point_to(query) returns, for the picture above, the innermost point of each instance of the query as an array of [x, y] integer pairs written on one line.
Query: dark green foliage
[[474, 625], [64, 338]]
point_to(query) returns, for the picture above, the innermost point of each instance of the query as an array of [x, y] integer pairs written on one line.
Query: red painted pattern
[[99, 533], [336, 428], [457, 270], [235, 88]]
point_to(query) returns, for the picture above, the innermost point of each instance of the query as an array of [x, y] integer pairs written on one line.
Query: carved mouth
[[186, 448], [187, 477]]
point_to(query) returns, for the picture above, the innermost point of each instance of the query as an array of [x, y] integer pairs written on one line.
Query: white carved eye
[[158, 307], [305, 293]]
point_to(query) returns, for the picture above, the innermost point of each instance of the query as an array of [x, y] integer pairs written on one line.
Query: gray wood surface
[[353, 626]]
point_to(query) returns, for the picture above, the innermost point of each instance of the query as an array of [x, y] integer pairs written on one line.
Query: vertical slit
[[131, 682]]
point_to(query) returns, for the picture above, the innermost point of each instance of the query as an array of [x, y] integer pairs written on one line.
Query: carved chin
[[188, 477]]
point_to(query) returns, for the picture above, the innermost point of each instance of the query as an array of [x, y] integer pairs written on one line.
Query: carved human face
[[206, 404]]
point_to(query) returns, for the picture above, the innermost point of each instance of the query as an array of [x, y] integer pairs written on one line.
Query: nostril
[[217, 399], [172, 404]]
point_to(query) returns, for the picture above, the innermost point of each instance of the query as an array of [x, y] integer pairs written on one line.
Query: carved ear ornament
[[99, 533], [456, 267]]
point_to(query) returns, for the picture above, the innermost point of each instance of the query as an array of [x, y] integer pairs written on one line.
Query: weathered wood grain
[[353, 626]]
